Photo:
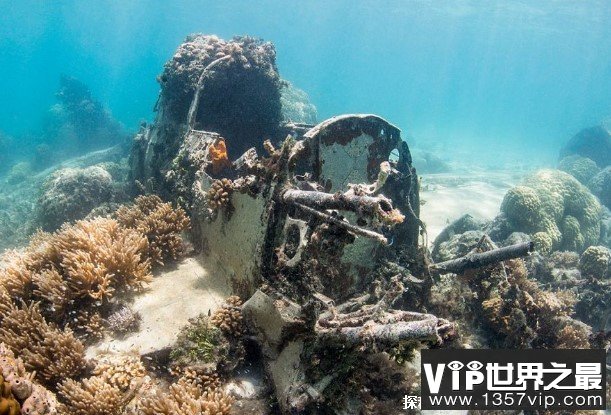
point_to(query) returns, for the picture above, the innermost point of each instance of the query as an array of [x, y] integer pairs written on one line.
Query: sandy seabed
[[445, 197]]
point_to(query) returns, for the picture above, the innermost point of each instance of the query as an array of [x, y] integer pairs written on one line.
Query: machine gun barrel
[[482, 259], [364, 205]]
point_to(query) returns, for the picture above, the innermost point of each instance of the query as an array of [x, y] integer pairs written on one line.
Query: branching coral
[[185, 398], [93, 396], [120, 370], [53, 290], [6, 303], [109, 391], [95, 258], [110, 256], [76, 271], [87, 261], [554, 208], [88, 325], [15, 275], [54, 354], [159, 222]]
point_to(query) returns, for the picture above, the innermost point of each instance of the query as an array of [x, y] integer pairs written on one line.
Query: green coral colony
[[310, 234]]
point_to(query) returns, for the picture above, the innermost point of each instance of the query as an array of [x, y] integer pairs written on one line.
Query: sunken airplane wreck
[[316, 227]]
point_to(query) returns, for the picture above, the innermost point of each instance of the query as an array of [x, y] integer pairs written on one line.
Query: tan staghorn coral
[[80, 267], [15, 274], [88, 325], [54, 354], [51, 287], [5, 302], [159, 222], [185, 398], [229, 317], [93, 396], [98, 256], [120, 370]]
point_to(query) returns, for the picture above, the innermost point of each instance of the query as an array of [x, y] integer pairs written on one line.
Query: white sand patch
[[175, 295], [448, 196]]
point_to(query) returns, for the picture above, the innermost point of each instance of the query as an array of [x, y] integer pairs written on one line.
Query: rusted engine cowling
[[340, 155]]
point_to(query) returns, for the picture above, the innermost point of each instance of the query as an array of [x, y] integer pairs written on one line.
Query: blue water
[[477, 78]]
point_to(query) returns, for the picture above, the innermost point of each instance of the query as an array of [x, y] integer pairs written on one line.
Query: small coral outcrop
[[556, 210], [219, 196], [595, 262], [71, 193], [229, 317], [211, 346], [159, 222], [600, 185], [20, 172], [504, 307], [593, 143], [296, 105], [456, 245], [200, 343], [79, 122], [581, 168], [123, 321]]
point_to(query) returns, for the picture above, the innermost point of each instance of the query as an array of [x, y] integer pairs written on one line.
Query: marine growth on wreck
[[237, 256]]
